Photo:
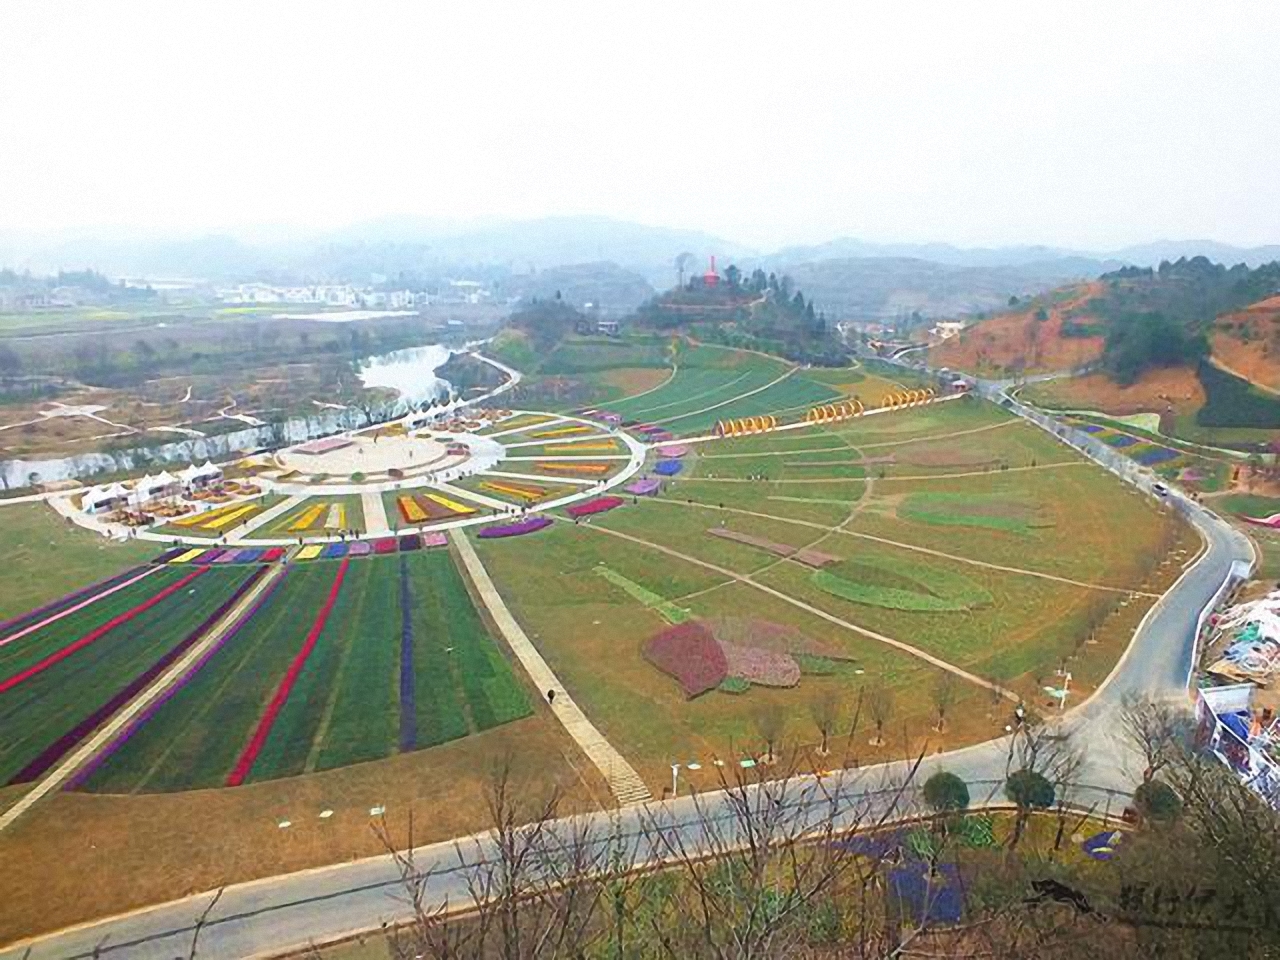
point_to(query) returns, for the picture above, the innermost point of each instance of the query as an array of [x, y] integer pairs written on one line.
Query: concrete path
[[375, 514], [624, 782], [90, 748]]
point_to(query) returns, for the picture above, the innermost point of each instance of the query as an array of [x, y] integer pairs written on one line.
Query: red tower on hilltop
[[711, 278]]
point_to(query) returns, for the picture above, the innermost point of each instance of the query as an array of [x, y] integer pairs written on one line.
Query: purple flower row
[[1149, 458], [66, 600], [123, 736], [408, 705]]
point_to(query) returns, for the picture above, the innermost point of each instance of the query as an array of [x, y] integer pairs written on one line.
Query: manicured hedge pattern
[[940, 590]]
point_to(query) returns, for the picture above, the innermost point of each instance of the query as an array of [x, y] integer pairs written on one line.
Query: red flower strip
[[243, 765], [98, 632]]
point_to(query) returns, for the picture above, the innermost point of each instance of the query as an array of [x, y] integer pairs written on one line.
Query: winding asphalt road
[[272, 915]]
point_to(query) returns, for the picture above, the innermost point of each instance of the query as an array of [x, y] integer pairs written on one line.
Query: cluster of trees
[[81, 286], [1161, 316], [761, 311], [1139, 341]]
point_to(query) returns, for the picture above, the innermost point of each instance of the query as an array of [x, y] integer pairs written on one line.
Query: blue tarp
[[1237, 723]]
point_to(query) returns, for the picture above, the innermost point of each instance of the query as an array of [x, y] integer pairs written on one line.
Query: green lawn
[[1248, 504], [592, 631], [36, 712], [345, 705], [463, 684], [195, 738], [363, 698], [47, 556]]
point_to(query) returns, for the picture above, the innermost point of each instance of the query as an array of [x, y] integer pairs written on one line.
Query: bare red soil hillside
[[1247, 342], [1168, 391], [1019, 339]]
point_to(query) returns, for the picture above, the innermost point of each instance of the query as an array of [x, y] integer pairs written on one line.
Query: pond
[[410, 372]]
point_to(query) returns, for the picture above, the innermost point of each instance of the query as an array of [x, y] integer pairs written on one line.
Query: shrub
[[1030, 789], [690, 654], [946, 793], [1232, 402], [1157, 801]]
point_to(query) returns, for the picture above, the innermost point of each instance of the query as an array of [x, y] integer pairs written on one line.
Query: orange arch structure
[[908, 398], [832, 412], [746, 425]]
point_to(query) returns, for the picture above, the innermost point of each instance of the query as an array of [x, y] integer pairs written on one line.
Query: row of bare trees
[[819, 867]]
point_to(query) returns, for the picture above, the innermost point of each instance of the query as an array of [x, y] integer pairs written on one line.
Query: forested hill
[[760, 311], [1129, 321]]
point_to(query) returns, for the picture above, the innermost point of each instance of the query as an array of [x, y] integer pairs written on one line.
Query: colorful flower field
[[1146, 452], [574, 430], [61, 681], [203, 555], [668, 468], [573, 468], [644, 488], [288, 688], [593, 446], [323, 515], [524, 492], [220, 519]]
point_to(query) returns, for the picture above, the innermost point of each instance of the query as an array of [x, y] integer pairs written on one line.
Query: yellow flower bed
[[309, 516]]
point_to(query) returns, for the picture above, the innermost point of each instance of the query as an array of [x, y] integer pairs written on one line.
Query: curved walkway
[[725, 403]]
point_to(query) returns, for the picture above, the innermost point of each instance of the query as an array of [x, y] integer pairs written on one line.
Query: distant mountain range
[[617, 259]]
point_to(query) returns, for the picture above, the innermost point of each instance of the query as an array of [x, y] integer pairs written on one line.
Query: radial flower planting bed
[[644, 488], [586, 508], [521, 527]]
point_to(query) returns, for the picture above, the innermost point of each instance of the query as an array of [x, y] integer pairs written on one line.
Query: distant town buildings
[[348, 295]]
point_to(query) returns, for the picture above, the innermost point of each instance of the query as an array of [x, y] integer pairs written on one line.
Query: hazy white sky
[[1093, 124]]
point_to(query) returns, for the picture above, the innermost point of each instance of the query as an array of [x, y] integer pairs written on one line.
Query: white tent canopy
[[100, 496]]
